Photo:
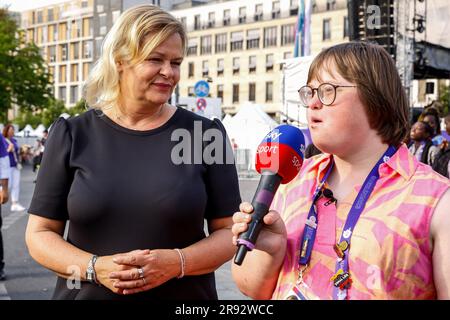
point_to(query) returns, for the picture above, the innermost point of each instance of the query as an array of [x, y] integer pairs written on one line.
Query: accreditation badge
[[300, 291]]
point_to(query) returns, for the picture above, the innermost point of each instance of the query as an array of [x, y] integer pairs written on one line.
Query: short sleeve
[[221, 180], [54, 176]]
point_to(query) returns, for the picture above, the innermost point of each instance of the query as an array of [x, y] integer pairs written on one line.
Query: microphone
[[279, 158]]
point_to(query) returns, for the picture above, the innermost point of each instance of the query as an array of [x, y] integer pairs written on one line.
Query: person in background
[[136, 206], [431, 117], [442, 160], [39, 150], [4, 177], [421, 145], [365, 220], [15, 167]]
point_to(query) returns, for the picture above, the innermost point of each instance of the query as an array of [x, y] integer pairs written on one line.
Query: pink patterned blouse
[[390, 253]]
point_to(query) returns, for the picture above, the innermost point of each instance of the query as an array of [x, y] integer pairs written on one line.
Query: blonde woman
[[136, 216]]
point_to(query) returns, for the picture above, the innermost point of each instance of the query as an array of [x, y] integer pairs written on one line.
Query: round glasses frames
[[326, 93]]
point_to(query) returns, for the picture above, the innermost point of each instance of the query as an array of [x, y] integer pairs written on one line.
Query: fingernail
[[112, 275], [114, 259], [248, 217]]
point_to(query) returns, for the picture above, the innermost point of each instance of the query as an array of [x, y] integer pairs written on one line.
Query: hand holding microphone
[[278, 158]]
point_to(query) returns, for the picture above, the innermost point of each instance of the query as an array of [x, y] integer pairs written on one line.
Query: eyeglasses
[[326, 93]]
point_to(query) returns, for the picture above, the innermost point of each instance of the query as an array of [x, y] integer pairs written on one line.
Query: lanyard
[[342, 278]]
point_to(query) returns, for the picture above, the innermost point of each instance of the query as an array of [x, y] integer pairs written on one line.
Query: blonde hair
[[127, 42], [380, 89]]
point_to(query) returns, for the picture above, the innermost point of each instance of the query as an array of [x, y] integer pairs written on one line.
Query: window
[[220, 67], [50, 16], [52, 53], [87, 27], [220, 91], [74, 73], [313, 6], [63, 48], [39, 17], [269, 62], [183, 21], [191, 70], [86, 69], [275, 9], [237, 40], [326, 35], [252, 92], [88, 48], [115, 16], [221, 42], [62, 94], [55, 32], [73, 94], [62, 74], [205, 44], [269, 91], [270, 37], [84, 4], [252, 64], [197, 25], [287, 34], [293, 8], [242, 15], [331, 5], [102, 23], [253, 39], [205, 68], [258, 12], [226, 17], [236, 65], [98, 46], [192, 47], [429, 88], [75, 50], [235, 93], [346, 27], [191, 92], [211, 20]]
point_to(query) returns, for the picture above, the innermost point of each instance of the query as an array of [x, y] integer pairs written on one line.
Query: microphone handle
[[268, 185]]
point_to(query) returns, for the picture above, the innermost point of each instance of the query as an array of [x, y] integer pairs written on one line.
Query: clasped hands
[[138, 270]]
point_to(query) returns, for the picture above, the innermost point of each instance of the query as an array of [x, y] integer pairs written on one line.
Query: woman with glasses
[[364, 220]]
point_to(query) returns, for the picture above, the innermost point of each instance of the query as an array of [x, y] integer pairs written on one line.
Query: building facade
[[239, 46], [70, 36]]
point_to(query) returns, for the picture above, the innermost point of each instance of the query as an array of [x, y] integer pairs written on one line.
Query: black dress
[[121, 191]]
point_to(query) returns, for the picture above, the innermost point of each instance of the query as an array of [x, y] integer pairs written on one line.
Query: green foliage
[[27, 117], [77, 109], [51, 112], [444, 98], [24, 80]]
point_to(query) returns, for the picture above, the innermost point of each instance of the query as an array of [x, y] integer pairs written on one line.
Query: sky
[[21, 5]]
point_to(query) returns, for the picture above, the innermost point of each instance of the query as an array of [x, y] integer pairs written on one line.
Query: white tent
[[26, 132], [38, 132], [248, 127]]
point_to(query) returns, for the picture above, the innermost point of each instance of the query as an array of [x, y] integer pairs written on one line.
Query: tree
[[24, 80], [79, 108], [53, 110], [444, 98]]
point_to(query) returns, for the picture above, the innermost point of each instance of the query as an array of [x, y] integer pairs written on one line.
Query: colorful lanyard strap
[[341, 279]]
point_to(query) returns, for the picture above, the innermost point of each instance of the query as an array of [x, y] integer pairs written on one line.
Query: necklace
[[120, 118]]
